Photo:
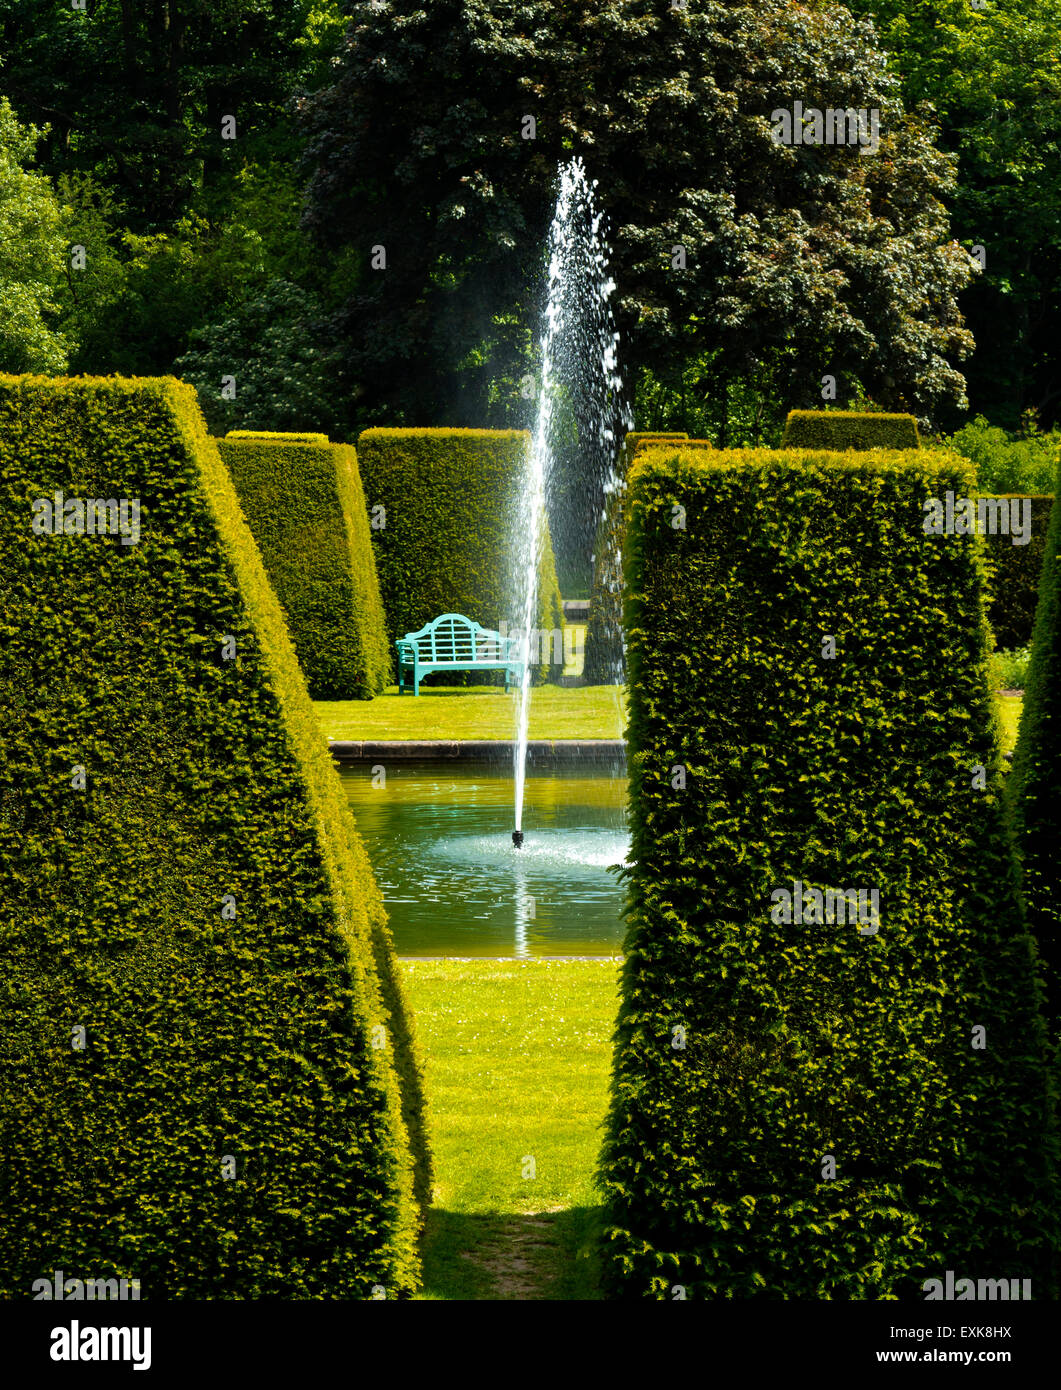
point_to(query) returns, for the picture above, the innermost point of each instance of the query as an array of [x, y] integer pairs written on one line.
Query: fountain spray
[[579, 358]]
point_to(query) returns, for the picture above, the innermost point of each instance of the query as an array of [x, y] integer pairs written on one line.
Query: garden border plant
[[1034, 787]]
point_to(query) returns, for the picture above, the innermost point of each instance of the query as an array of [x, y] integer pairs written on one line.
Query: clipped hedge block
[[303, 500], [803, 1104], [604, 663], [1034, 785], [1015, 578], [205, 1048], [849, 429], [449, 499], [634, 439], [278, 435]]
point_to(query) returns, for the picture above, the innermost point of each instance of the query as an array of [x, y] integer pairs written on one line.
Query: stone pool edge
[[477, 750]]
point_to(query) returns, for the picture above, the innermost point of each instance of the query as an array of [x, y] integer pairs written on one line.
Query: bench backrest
[[453, 637]]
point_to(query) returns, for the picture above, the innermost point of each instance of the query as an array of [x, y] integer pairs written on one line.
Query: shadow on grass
[[512, 1256]]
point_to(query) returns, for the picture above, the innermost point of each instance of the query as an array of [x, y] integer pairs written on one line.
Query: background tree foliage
[[33, 243], [403, 123], [993, 76], [798, 261], [181, 228]]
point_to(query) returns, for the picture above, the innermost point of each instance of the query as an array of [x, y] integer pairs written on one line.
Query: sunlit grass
[[1009, 708], [476, 712], [518, 1056]]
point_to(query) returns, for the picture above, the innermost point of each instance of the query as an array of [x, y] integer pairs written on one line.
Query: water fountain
[[452, 881], [579, 361]]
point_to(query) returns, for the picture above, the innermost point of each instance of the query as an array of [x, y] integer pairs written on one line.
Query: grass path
[[518, 1056], [478, 711]]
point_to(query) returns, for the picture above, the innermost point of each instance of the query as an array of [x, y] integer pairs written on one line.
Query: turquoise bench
[[453, 642]]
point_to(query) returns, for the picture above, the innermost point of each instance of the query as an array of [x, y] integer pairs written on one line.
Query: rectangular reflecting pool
[[439, 836]]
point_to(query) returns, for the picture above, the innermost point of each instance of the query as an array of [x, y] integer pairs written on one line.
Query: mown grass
[[518, 1056], [476, 712], [1009, 708]]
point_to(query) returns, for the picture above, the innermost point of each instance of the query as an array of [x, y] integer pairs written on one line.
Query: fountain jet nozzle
[[517, 839]]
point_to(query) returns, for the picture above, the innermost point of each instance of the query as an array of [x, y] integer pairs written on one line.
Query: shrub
[[1008, 463], [1015, 571], [200, 903], [303, 500], [286, 376], [849, 429], [1035, 782], [751, 1053], [1009, 669], [449, 499], [604, 633]]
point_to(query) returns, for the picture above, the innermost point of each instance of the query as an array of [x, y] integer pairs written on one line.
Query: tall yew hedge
[[444, 537], [305, 505], [753, 1055], [210, 1079], [1035, 782]]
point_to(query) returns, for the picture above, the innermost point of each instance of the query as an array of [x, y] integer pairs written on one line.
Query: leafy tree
[[34, 243], [993, 76], [135, 90], [816, 258], [282, 371]]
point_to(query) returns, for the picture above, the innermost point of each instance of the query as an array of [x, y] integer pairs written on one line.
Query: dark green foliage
[[1015, 582], [975, 69], [137, 91], [449, 498], [803, 1041], [1035, 783], [799, 261], [284, 374], [203, 908], [849, 429], [305, 505]]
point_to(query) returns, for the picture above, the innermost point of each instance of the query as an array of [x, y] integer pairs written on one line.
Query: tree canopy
[[33, 246], [827, 258]]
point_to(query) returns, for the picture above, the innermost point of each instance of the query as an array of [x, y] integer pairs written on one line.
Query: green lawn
[[1009, 707], [518, 1056], [447, 712]]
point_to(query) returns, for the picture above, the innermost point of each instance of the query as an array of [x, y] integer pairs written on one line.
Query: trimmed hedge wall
[[1034, 786], [849, 429], [303, 500], [1015, 579], [750, 1053], [448, 497], [229, 1124], [278, 435], [604, 632]]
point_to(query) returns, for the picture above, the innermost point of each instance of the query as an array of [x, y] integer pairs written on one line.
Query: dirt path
[[522, 1257]]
